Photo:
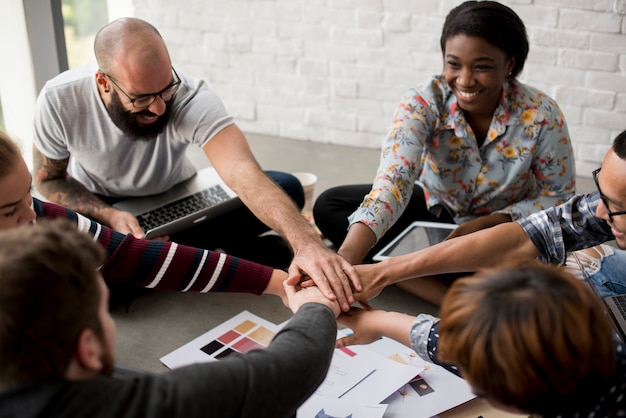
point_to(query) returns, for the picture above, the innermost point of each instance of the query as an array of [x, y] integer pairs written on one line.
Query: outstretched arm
[[482, 222], [231, 156], [170, 266], [370, 325], [54, 183], [481, 249], [272, 382], [358, 242]]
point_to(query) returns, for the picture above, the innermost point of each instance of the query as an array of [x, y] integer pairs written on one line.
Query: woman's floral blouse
[[525, 164]]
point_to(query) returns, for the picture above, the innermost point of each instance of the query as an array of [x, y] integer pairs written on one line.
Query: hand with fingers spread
[[335, 277]]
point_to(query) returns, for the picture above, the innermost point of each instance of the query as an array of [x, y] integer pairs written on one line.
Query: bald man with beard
[[121, 127]]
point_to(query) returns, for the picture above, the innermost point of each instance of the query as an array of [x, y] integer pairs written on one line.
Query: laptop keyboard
[[620, 301], [183, 207]]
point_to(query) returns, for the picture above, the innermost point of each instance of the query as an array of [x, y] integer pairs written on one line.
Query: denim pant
[[606, 269]]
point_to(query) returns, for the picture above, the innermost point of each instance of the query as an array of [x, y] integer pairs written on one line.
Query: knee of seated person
[[603, 265], [588, 259], [290, 184], [331, 204], [321, 202]]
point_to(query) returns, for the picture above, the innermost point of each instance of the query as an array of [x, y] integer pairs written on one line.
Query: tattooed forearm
[[55, 184]]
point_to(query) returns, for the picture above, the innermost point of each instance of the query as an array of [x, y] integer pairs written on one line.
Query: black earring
[[106, 90]]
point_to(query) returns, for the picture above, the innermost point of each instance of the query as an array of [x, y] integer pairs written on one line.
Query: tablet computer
[[416, 236]]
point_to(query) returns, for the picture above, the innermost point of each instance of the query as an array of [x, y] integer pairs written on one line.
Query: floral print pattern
[[524, 165]]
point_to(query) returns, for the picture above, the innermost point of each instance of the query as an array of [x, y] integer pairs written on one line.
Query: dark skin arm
[[432, 288], [54, 183], [479, 223], [482, 249]]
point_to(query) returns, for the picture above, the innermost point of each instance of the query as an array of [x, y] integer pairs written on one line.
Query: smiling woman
[[475, 70], [471, 145]]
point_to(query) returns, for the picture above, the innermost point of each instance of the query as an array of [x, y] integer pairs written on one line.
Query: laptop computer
[[416, 236], [189, 203], [615, 304]]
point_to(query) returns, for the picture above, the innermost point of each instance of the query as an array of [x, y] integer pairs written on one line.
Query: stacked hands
[[358, 283], [339, 295], [339, 281]]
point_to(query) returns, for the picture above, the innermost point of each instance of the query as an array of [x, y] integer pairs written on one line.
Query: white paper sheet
[[435, 391], [388, 374], [241, 333], [338, 408], [364, 381]]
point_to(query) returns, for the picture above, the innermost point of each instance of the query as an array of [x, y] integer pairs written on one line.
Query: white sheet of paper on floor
[[364, 381]]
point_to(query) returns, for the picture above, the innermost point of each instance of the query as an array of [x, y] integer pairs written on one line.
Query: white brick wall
[[332, 70]]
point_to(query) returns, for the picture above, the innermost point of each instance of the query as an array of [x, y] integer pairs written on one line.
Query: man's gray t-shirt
[[71, 120]]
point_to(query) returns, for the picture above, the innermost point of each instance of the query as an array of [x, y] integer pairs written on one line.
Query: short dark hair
[[492, 21], [50, 294], [619, 145]]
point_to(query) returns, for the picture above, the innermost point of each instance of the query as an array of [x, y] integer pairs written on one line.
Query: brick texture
[[332, 71]]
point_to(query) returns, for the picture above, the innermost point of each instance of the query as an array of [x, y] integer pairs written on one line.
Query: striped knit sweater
[[164, 265]]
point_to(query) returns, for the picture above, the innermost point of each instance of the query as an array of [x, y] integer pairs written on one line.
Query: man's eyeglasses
[[146, 100], [605, 201]]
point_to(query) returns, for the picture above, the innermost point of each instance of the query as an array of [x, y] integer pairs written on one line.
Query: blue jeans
[[606, 267]]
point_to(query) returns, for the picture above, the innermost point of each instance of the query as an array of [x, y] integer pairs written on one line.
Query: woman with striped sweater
[[150, 264]]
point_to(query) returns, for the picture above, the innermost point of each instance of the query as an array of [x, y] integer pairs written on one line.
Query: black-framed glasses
[[146, 100], [605, 201]]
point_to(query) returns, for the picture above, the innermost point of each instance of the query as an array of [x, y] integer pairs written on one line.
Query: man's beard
[[127, 122]]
